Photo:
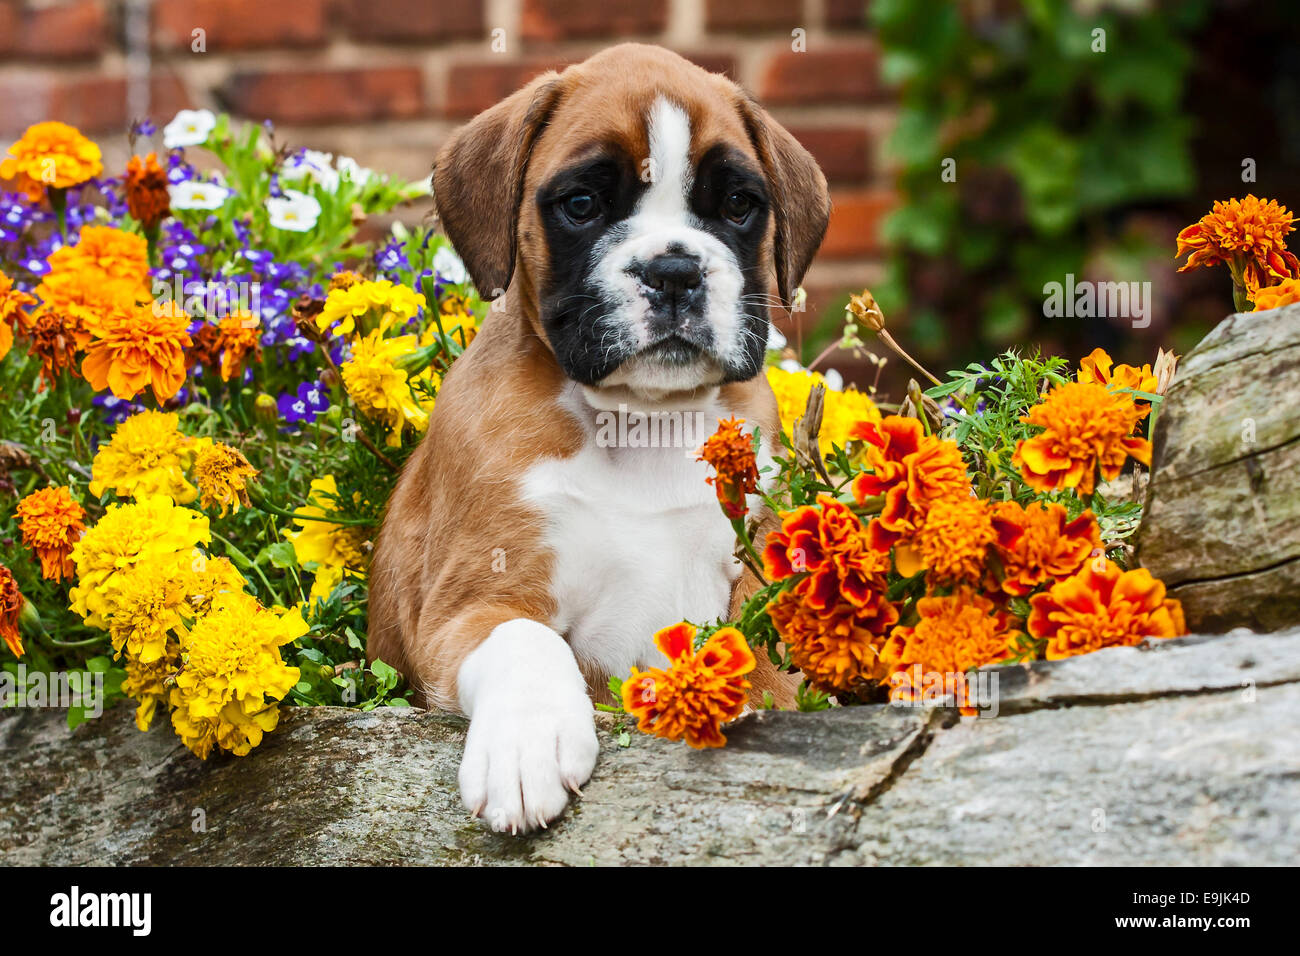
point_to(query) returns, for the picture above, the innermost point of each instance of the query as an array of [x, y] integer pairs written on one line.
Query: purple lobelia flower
[[305, 406]]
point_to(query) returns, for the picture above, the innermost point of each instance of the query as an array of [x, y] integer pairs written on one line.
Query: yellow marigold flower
[[147, 455], [1248, 235], [51, 523], [955, 634], [731, 453], [231, 666], [1097, 368], [104, 253], [147, 198], [149, 684], [698, 693], [153, 527], [953, 543], [11, 608], [381, 389], [150, 601], [842, 410], [1085, 427], [138, 347], [53, 155], [1103, 608], [455, 314], [1286, 292], [347, 305], [223, 474], [333, 549]]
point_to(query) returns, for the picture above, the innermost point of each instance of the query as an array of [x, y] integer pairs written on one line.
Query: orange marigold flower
[[52, 155], [955, 634], [11, 607], [105, 253], [147, 198], [1108, 608], [912, 470], [51, 523], [1286, 292], [138, 347], [829, 543], [954, 541], [731, 453], [222, 473], [1097, 368], [1085, 427], [1248, 235], [698, 693], [224, 347], [1039, 544], [838, 648], [55, 337], [13, 303]]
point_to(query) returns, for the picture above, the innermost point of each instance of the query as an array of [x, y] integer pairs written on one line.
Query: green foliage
[[1052, 125]]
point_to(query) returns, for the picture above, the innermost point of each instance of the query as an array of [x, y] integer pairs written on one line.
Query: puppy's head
[[641, 206]]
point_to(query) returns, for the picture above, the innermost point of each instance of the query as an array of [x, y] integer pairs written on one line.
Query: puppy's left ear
[[801, 203]]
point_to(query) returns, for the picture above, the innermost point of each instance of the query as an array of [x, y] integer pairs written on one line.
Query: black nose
[[673, 273]]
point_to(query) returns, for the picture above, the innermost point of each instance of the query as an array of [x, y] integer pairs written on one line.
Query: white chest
[[639, 543]]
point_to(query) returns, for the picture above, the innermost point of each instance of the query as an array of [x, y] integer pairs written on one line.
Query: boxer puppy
[[629, 215]]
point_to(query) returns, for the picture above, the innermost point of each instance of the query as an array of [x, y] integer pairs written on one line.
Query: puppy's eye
[[580, 207], [737, 207]]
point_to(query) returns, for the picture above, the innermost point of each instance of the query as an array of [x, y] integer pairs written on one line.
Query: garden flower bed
[[210, 383]]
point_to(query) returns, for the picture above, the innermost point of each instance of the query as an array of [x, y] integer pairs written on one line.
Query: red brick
[[414, 21], [854, 231], [73, 30], [752, 15], [839, 74], [473, 87], [846, 14], [841, 151], [240, 24], [326, 96], [8, 25], [565, 19], [93, 105]]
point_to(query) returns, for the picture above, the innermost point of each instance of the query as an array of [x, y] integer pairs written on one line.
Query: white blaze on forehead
[[669, 169]]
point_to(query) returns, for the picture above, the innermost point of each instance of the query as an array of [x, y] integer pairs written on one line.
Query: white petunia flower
[[189, 128], [834, 380], [311, 166], [296, 212], [775, 340], [448, 265], [196, 195], [789, 365], [353, 171]]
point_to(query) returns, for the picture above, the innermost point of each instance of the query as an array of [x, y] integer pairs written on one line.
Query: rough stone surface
[[1186, 752], [1221, 525]]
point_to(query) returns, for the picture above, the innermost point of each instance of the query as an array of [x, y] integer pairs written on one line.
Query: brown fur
[[435, 594]]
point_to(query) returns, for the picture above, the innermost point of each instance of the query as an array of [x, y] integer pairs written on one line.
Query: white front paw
[[531, 738]]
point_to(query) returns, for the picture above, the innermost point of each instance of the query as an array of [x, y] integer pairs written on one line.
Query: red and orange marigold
[[698, 692], [731, 453], [1106, 608], [827, 542], [1248, 235], [911, 470], [953, 543], [147, 198], [1100, 368], [11, 608], [51, 523], [1040, 544], [1086, 427]]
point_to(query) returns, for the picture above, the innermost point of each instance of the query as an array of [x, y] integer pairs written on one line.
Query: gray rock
[[1185, 752], [1221, 525]]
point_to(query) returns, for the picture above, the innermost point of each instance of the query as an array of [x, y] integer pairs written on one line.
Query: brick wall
[[385, 81]]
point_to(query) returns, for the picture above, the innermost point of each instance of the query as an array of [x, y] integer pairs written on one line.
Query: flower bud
[[863, 307], [265, 409]]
